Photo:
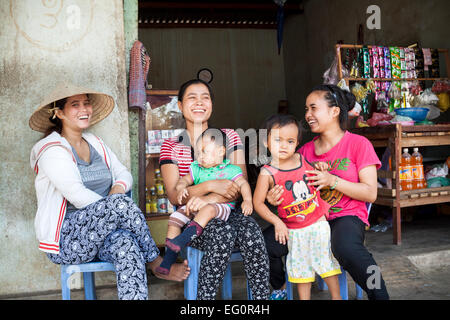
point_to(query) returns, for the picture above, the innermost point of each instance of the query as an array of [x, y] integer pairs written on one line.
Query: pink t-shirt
[[345, 159]]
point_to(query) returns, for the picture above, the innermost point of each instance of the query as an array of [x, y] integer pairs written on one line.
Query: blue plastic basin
[[417, 114]]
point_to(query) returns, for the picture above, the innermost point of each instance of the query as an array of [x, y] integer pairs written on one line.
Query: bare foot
[[178, 271]]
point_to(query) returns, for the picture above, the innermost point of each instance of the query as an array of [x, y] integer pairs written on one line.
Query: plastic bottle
[[159, 185], [147, 201], [153, 201], [419, 181], [405, 171], [160, 193]]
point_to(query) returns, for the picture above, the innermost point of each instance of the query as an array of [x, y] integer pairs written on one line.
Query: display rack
[[395, 137], [148, 162], [354, 46]]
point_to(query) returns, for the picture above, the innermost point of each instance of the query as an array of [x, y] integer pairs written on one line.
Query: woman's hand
[[281, 232], [320, 179], [117, 188], [226, 188], [195, 204], [247, 207], [274, 195], [183, 193]]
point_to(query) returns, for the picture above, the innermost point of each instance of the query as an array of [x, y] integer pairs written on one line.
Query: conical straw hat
[[102, 105]]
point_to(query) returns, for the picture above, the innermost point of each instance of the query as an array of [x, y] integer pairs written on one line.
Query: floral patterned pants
[[218, 240], [112, 229]]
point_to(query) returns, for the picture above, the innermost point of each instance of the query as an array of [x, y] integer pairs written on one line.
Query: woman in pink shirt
[[349, 183]]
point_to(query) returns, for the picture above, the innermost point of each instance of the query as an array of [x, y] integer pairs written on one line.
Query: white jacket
[[58, 181]]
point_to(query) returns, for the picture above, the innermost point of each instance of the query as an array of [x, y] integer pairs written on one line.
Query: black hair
[[57, 123], [281, 120], [187, 84], [336, 97], [216, 135]]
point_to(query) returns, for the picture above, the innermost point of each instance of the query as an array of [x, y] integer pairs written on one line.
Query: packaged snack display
[[419, 65], [435, 73], [385, 80], [366, 61], [395, 62], [387, 62]]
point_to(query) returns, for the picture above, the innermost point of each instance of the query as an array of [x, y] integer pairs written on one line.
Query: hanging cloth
[[280, 22], [139, 66]]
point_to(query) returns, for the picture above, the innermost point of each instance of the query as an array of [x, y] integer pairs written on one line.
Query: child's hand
[[274, 195], [182, 194], [321, 166], [281, 232], [195, 204], [247, 207]]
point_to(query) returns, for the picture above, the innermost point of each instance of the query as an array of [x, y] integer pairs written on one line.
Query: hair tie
[[335, 98], [53, 110]]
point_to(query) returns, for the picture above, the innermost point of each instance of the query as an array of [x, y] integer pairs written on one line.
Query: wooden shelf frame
[[144, 158], [395, 137]]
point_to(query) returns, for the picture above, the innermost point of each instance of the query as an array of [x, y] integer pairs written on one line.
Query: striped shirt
[[178, 150]]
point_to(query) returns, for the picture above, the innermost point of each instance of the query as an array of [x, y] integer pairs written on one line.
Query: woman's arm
[[221, 191], [364, 190], [214, 191], [259, 196], [122, 176], [181, 187]]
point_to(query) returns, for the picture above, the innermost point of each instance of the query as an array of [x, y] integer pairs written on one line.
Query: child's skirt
[[310, 253], [180, 217]]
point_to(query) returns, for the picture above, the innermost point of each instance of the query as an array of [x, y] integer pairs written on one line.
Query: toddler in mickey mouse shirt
[[301, 219]]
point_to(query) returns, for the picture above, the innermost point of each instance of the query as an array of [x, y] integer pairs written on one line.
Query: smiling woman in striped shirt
[[219, 238]]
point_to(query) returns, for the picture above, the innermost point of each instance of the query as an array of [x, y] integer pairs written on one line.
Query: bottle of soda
[[419, 181], [405, 171], [159, 185], [162, 203]]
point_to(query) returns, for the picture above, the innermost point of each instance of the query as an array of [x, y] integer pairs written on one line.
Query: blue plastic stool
[[194, 258], [88, 270], [343, 285]]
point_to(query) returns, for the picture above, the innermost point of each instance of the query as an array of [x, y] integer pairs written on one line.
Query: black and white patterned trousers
[[112, 229], [218, 240]]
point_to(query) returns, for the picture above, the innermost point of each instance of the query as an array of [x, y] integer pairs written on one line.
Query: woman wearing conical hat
[[83, 213]]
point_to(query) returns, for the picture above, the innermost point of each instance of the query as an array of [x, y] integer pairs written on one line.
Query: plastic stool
[[342, 284], [194, 258], [323, 286], [88, 270]]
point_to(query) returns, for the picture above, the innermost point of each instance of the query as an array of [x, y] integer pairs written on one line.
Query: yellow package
[[444, 101]]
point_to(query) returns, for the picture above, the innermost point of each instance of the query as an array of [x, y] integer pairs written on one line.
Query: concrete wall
[[310, 37], [248, 72], [41, 43]]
